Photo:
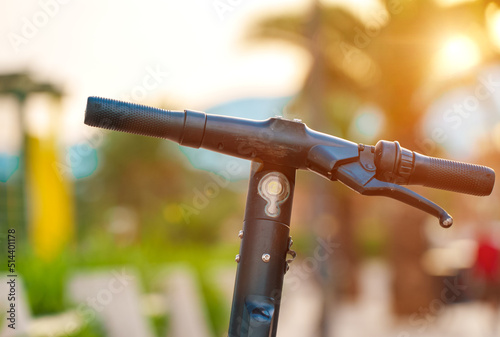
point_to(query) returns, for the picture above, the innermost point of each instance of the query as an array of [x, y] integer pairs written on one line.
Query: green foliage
[[160, 325], [218, 310]]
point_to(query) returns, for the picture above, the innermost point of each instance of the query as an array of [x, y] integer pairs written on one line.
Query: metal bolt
[[266, 258], [237, 258], [240, 234]]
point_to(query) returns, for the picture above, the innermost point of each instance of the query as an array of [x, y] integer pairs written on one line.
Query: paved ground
[[370, 315]]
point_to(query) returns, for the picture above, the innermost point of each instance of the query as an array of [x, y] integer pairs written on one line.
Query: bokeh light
[[457, 55], [449, 3], [493, 20]]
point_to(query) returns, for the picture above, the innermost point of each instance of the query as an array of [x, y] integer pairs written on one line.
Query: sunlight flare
[[457, 55]]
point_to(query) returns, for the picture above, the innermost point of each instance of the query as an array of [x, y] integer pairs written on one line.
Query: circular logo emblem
[[275, 189]]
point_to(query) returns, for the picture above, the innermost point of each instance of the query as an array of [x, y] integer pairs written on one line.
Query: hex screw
[[266, 257], [240, 234], [237, 258]]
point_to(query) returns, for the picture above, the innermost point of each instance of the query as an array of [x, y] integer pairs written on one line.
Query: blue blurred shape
[[232, 168], [83, 160], [8, 165]]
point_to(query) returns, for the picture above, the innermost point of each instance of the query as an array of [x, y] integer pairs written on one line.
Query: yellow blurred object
[[50, 206]]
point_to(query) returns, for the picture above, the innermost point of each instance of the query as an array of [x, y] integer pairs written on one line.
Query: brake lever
[[348, 175], [359, 173]]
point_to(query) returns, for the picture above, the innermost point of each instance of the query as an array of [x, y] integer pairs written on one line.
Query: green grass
[[93, 329]]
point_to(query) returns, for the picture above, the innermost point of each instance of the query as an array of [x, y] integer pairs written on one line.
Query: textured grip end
[[453, 176], [93, 116], [134, 118]]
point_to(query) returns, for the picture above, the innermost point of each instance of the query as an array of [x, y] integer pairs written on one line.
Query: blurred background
[[124, 235]]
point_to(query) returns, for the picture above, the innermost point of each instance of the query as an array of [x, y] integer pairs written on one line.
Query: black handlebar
[[369, 170], [278, 141]]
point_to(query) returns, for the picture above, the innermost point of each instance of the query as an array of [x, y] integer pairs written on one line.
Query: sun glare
[[457, 55], [449, 3], [493, 17]]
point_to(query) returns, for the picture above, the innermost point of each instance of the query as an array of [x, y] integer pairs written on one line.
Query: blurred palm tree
[[146, 193], [386, 59]]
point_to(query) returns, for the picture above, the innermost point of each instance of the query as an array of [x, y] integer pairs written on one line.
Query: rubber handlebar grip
[[134, 118], [452, 175]]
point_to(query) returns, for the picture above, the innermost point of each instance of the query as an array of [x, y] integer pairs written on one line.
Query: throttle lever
[[360, 176]]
